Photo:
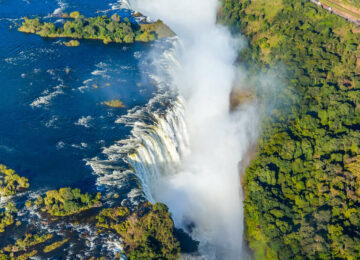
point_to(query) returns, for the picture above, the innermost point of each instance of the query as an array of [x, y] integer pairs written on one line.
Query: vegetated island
[[55, 245], [66, 201], [10, 184], [303, 187], [23, 248], [115, 103], [113, 29], [71, 43], [147, 231], [7, 216]]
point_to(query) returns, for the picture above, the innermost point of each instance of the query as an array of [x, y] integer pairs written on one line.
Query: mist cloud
[[206, 191]]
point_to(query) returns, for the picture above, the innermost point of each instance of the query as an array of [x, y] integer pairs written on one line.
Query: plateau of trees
[[303, 186]]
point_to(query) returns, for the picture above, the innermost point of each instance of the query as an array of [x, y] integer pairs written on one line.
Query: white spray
[[206, 192]]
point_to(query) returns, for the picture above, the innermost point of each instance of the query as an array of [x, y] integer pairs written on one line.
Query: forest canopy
[[303, 186]]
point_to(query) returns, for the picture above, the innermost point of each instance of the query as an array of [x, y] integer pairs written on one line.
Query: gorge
[[202, 188]]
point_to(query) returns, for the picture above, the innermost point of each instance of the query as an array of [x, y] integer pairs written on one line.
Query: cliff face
[[302, 193]]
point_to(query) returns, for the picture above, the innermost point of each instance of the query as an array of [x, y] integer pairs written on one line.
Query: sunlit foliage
[[10, 182], [67, 201], [302, 188]]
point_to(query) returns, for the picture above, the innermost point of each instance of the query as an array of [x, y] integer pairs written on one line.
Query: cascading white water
[[159, 138], [186, 145], [124, 4], [163, 145], [158, 142], [204, 193]]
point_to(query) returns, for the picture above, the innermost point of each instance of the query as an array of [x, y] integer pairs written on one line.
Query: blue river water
[[52, 115], [56, 130]]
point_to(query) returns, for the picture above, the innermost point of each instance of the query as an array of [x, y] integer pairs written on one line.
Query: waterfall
[[162, 146], [158, 142], [204, 194], [124, 4], [185, 145], [159, 138]]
